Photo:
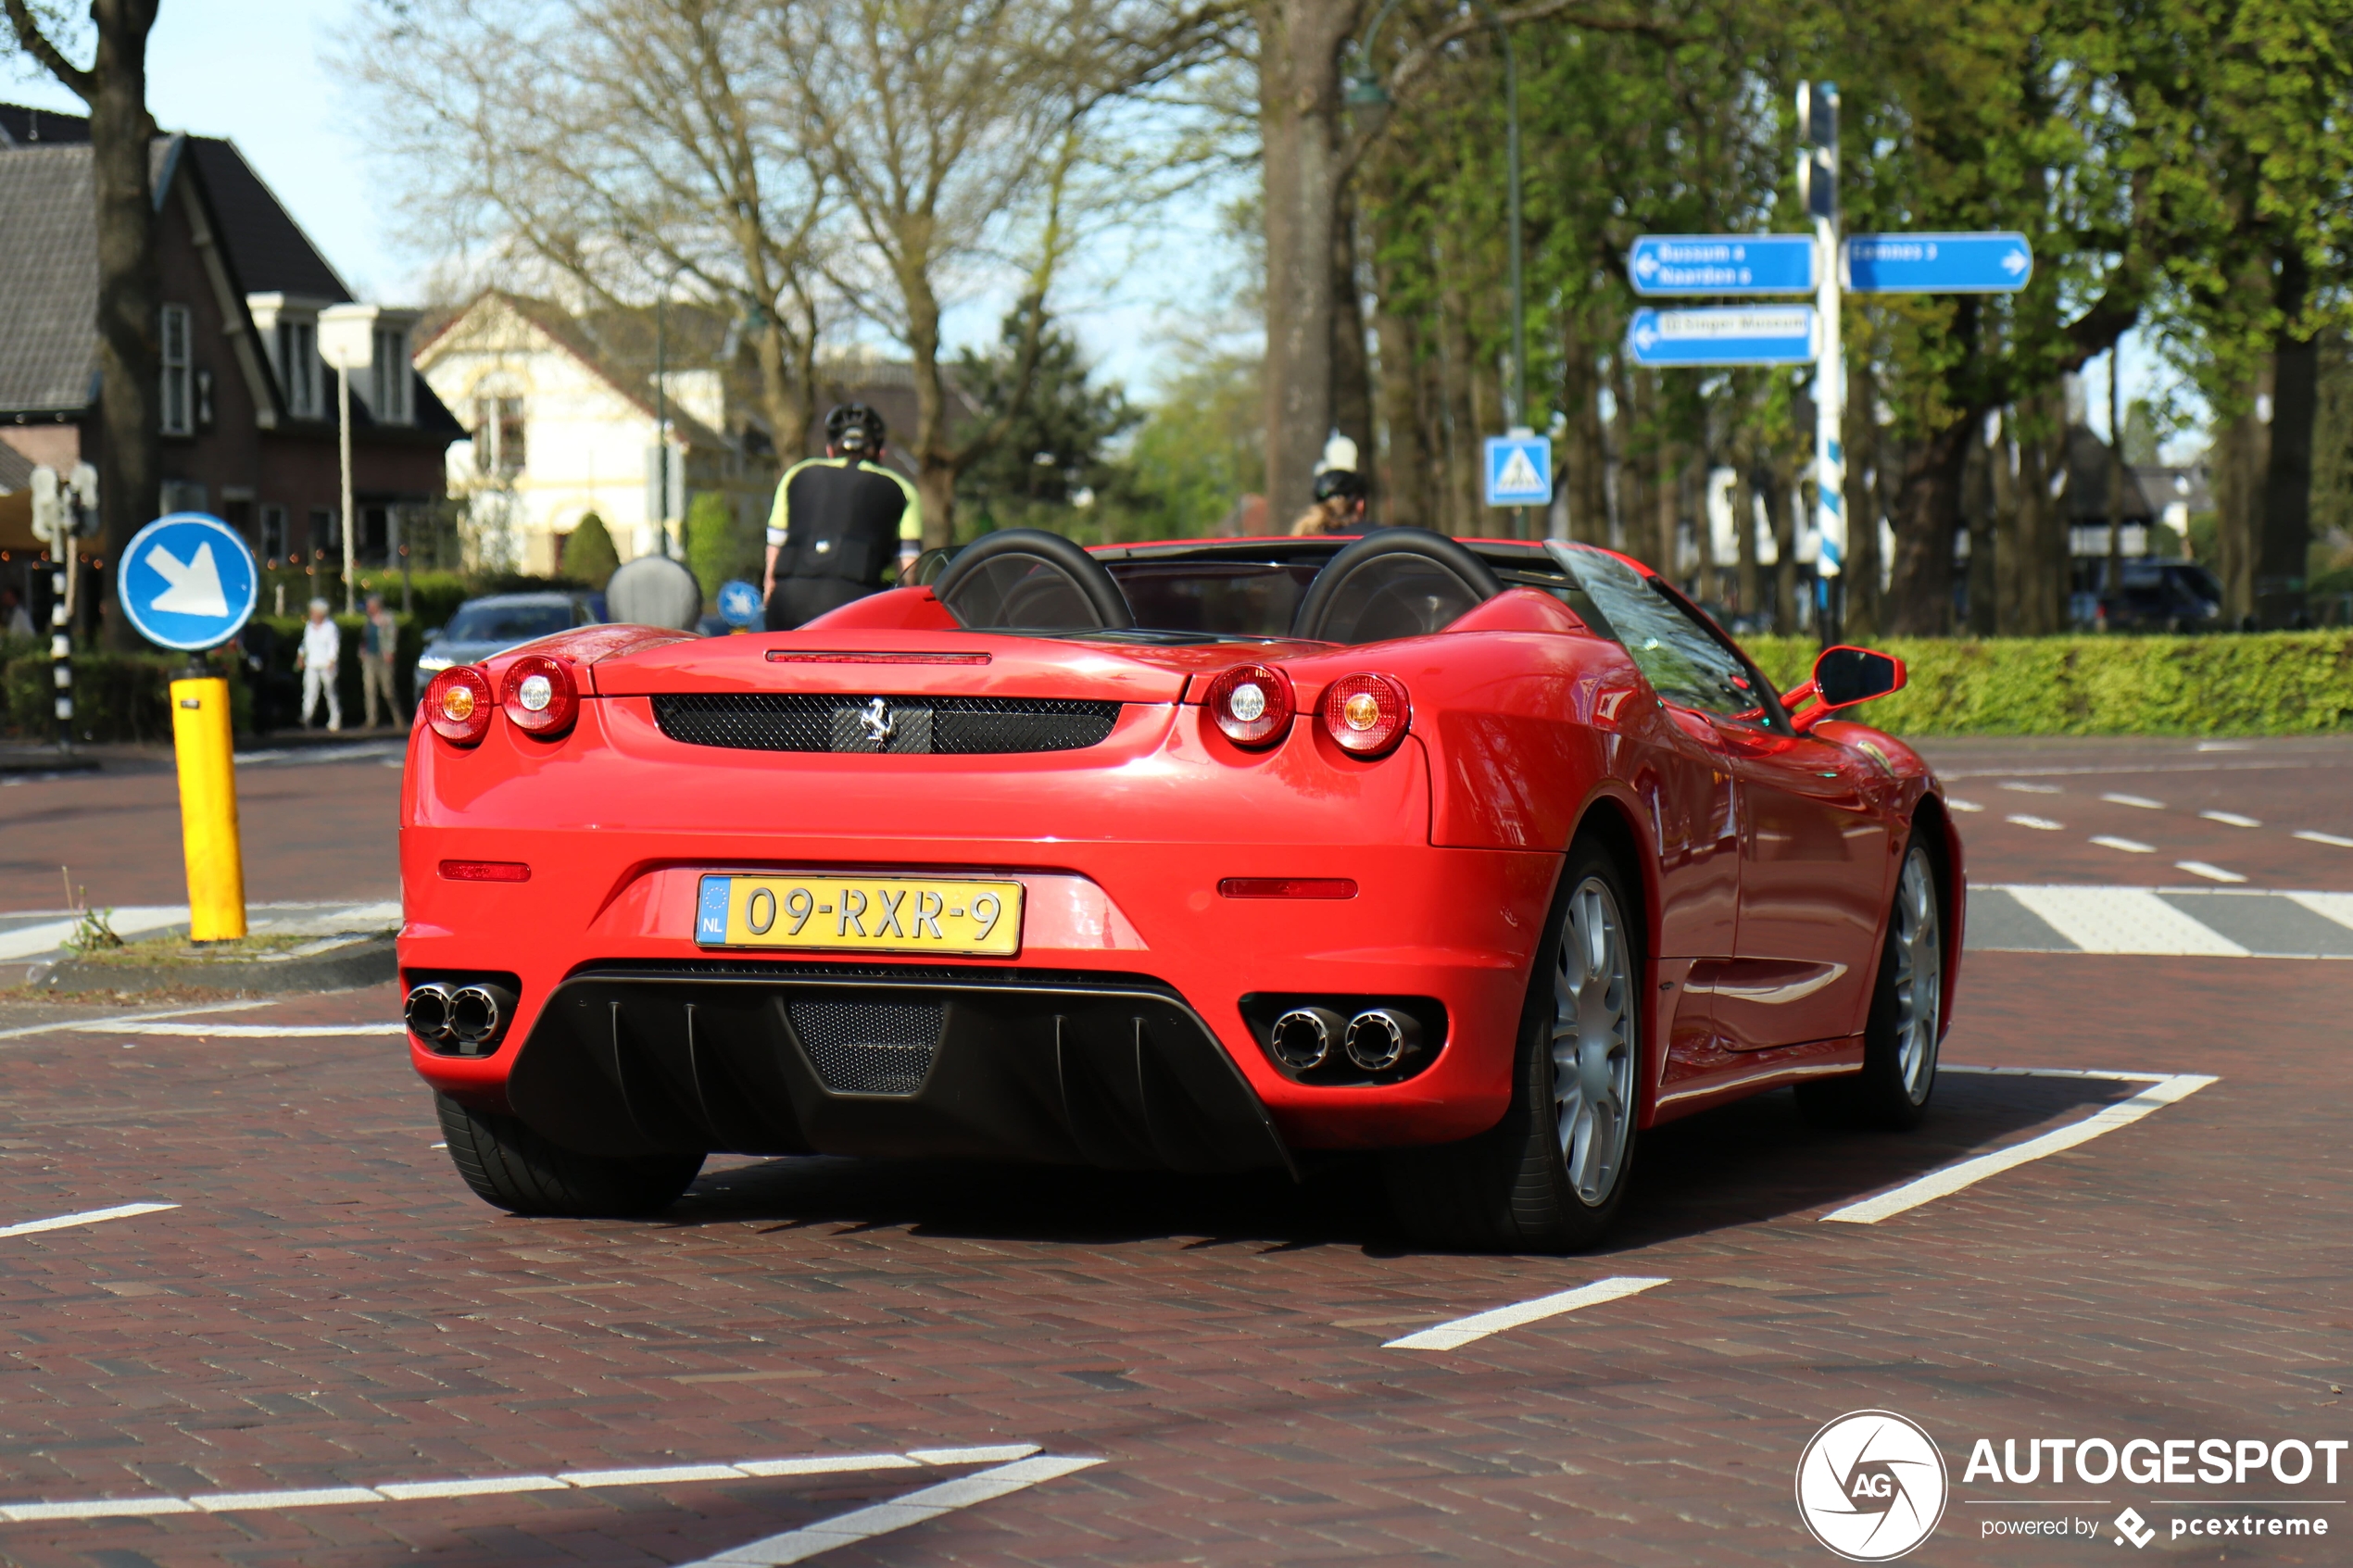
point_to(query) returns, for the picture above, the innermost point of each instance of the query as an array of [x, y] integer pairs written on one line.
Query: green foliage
[[1056, 446], [2275, 682], [589, 553], [719, 546], [117, 696], [1201, 449]]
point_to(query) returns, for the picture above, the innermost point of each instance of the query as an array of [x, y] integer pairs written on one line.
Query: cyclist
[[1340, 498], [843, 523]]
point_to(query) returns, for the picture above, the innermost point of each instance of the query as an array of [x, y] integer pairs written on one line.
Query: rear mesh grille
[[946, 726], [869, 1047]]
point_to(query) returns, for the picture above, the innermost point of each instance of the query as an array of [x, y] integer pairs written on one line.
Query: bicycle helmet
[[854, 428]]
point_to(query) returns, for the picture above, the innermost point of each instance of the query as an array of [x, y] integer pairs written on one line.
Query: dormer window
[[299, 368], [388, 378], [177, 413]]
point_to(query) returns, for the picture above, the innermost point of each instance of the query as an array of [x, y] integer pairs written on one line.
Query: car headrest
[[1393, 583], [1028, 580]]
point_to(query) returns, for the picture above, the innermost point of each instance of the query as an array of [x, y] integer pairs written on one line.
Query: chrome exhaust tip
[[427, 1012], [473, 1015], [1378, 1038], [1303, 1038]]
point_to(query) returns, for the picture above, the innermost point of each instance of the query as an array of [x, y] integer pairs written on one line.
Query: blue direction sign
[[188, 582], [1999, 262], [1741, 334], [1519, 470], [739, 604], [1685, 263]]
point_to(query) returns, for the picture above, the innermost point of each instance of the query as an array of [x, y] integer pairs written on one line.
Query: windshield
[[1226, 599], [506, 623]]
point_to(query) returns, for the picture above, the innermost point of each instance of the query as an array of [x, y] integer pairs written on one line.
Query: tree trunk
[[1782, 497], [1457, 380], [934, 458], [1299, 45], [1667, 498], [1926, 509], [1984, 559], [1586, 482], [2244, 459], [1863, 458], [130, 290], [1403, 479], [1633, 496], [1749, 593], [1352, 367], [2282, 558], [2010, 573]]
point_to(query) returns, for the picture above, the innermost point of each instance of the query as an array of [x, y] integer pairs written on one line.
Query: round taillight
[[540, 696], [1250, 704], [457, 704], [1366, 714]]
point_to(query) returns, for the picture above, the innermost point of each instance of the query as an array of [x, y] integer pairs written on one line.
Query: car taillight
[[1250, 704], [540, 696], [457, 704], [1366, 714]]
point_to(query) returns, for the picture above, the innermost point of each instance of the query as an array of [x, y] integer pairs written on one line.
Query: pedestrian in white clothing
[[321, 651]]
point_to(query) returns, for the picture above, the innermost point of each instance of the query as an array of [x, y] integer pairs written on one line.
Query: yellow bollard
[[200, 734]]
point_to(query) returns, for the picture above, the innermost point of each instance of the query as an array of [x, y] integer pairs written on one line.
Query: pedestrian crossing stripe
[[2163, 921]]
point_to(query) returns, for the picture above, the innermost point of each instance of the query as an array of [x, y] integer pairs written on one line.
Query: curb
[[372, 961]]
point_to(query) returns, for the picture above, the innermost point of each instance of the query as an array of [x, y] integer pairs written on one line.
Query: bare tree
[[623, 145], [114, 86]]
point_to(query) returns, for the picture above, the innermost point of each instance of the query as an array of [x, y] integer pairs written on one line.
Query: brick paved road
[[329, 1307]]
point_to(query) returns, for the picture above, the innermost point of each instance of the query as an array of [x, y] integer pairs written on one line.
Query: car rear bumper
[[1103, 1070]]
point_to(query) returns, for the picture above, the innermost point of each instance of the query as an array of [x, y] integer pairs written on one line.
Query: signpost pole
[[350, 546], [1817, 181]]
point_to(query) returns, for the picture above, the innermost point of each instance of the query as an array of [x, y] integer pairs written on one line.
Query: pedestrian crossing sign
[[1519, 470]]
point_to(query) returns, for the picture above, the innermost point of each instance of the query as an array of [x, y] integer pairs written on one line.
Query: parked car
[[2163, 596], [1202, 855], [498, 621]]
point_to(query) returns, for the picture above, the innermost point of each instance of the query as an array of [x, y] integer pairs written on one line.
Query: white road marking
[[498, 1485], [2129, 845], [2229, 819], [1454, 1335], [2310, 837], [2123, 919], [2212, 874], [915, 1508], [2142, 801], [1968, 1172], [1958, 804], [31, 941], [87, 1217], [137, 1018], [2337, 907], [2030, 789], [237, 1031], [2043, 824]]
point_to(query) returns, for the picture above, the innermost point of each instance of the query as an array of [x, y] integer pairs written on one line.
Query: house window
[[179, 408], [499, 436], [390, 377], [273, 533], [324, 534], [299, 367]]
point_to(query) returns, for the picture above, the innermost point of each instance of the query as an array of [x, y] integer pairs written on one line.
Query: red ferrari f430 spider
[[1200, 856]]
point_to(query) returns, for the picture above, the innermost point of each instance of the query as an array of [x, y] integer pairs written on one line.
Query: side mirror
[[1842, 677]]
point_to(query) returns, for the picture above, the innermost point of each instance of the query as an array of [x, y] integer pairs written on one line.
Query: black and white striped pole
[[53, 524], [1818, 189]]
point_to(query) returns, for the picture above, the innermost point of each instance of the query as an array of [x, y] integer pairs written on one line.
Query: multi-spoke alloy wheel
[[1549, 1177], [1593, 1045], [1907, 1006]]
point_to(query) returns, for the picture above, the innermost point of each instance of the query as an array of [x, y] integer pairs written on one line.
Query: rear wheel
[[1551, 1175], [1907, 1003], [507, 1164]]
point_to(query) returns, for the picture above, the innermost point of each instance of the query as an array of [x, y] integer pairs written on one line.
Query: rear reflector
[[787, 656], [1288, 887], [484, 871]]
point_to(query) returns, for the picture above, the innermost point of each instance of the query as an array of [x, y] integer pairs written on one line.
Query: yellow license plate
[[867, 915]]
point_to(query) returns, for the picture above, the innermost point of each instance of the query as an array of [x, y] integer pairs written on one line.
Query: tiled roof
[[48, 278], [15, 470], [30, 127]]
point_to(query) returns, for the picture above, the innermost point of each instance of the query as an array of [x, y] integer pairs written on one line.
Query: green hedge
[[116, 697], [2273, 682]]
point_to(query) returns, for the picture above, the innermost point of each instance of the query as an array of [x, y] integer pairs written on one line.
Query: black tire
[[1511, 1188], [510, 1165], [1900, 1039]]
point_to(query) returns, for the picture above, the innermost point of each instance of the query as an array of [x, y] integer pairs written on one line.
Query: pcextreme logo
[[1871, 1486]]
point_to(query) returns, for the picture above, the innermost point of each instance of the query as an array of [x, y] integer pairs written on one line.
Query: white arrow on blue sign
[[1689, 264], [1997, 262], [1739, 335], [1519, 470], [739, 604], [188, 582]]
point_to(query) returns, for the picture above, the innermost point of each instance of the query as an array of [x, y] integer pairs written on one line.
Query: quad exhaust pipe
[[1303, 1037], [1375, 1040], [1378, 1038], [465, 1018]]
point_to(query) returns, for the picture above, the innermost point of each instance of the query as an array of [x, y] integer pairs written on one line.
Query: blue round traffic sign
[[739, 604], [188, 582]]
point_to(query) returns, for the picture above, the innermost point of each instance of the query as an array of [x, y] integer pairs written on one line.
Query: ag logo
[[1870, 1485]]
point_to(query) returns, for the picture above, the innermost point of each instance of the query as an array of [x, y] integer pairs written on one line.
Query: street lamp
[[1365, 91]]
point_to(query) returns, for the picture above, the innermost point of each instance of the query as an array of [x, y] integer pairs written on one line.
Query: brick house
[[248, 408]]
